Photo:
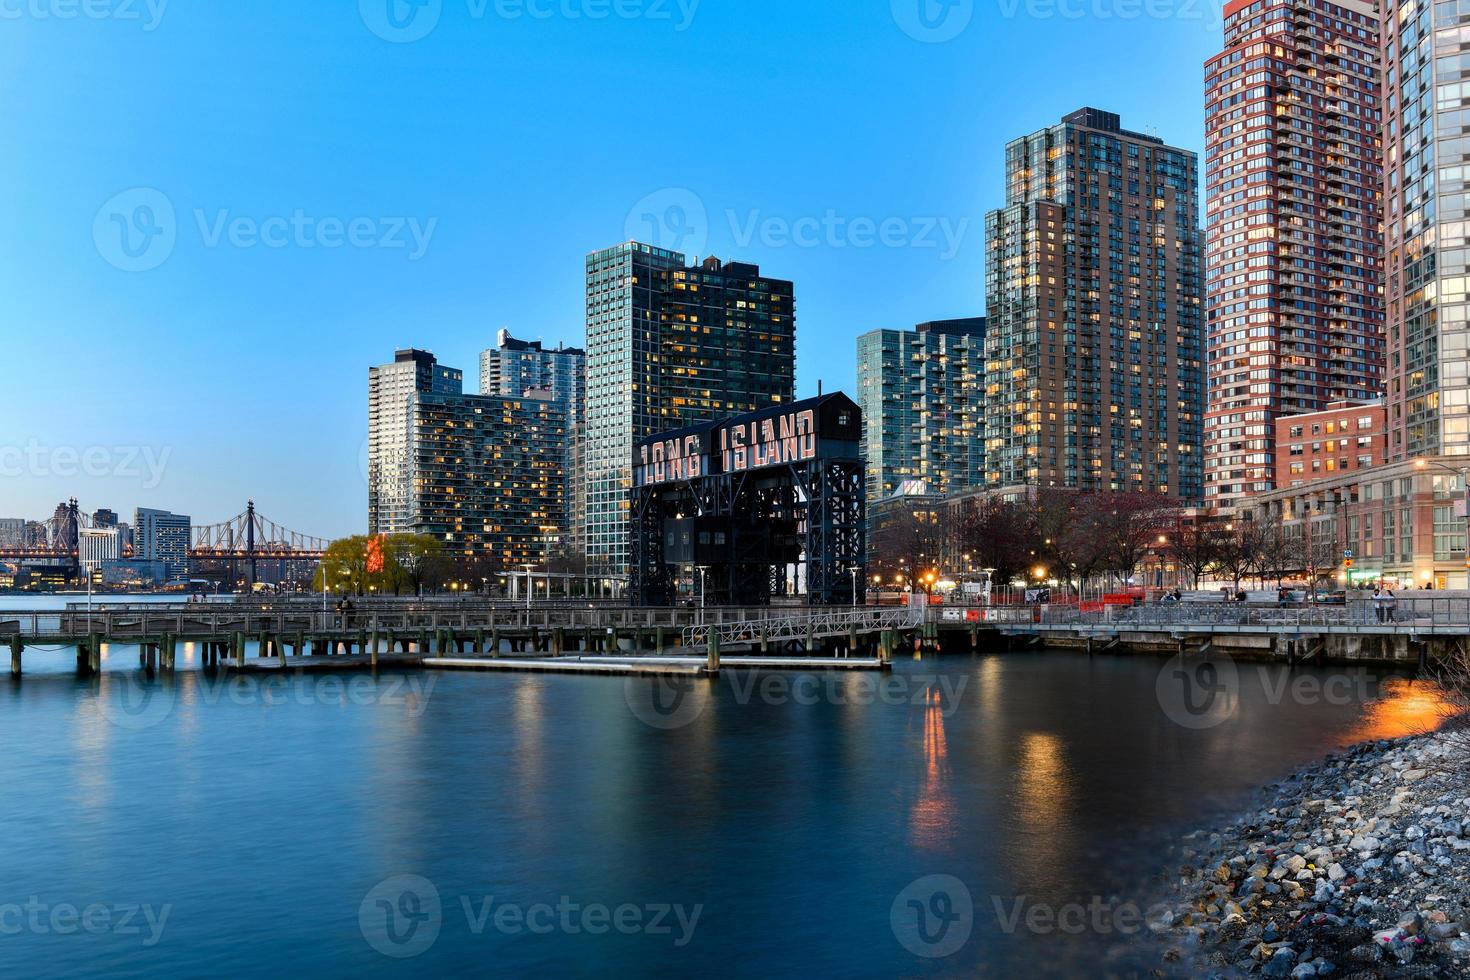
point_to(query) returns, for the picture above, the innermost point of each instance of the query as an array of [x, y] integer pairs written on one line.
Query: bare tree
[[907, 546]]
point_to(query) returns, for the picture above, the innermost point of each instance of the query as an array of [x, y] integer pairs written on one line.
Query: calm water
[[267, 821]]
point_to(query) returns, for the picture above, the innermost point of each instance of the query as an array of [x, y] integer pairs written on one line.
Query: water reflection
[[931, 820], [1404, 707]]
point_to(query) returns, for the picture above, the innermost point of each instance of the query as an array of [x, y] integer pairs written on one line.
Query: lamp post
[[529, 590], [853, 571]]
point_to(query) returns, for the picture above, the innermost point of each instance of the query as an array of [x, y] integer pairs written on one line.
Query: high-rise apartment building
[[518, 368], [481, 473], [670, 345], [1093, 284], [922, 393], [1294, 193], [162, 536], [1426, 104], [391, 392]]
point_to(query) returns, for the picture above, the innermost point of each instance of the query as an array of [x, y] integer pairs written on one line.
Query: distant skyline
[[338, 190]]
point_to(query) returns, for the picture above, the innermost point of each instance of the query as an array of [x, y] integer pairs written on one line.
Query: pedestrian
[[1378, 604], [1391, 601]]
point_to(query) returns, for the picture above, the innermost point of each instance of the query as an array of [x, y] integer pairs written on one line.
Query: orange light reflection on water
[[1405, 707], [931, 820]]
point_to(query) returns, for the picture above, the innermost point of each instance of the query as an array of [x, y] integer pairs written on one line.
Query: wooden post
[[714, 651], [558, 641], [852, 639], [494, 650], [659, 641], [17, 647]]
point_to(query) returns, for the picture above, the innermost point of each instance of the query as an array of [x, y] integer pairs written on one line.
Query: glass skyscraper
[[1093, 373], [670, 345], [922, 393], [519, 368]]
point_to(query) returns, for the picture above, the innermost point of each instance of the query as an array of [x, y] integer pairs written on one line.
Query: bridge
[[248, 537]]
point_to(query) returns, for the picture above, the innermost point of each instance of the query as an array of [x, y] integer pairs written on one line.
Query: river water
[[510, 825]]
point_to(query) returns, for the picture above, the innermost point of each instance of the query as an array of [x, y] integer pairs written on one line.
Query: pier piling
[[17, 647]]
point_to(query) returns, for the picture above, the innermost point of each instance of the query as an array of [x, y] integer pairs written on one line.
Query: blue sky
[[305, 187]]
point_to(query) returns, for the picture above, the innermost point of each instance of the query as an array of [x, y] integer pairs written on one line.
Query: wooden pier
[[294, 635]]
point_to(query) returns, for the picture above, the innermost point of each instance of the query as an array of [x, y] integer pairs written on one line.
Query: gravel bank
[[1357, 867]]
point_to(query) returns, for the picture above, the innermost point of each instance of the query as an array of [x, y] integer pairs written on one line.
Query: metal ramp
[[814, 623]]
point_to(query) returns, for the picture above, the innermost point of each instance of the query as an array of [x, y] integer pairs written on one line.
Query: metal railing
[[1402, 615], [814, 623]]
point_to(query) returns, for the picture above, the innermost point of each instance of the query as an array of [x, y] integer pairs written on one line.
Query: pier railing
[[772, 626], [1403, 614], [289, 616]]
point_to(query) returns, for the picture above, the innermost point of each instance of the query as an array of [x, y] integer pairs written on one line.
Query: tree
[[1275, 551], [411, 560], [1128, 526], [1069, 536], [344, 566], [1196, 547], [1240, 551], [999, 535], [907, 546]]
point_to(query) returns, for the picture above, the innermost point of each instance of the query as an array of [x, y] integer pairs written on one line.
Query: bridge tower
[[250, 539]]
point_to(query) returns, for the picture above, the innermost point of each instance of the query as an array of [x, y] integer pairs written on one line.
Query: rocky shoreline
[[1356, 867]]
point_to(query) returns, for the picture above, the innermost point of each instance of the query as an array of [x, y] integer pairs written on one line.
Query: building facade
[[97, 545], [163, 537], [1093, 352], [518, 368], [482, 474], [1346, 438], [392, 389], [1294, 192], [671, 345], [1426, 123], [922, 393]]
